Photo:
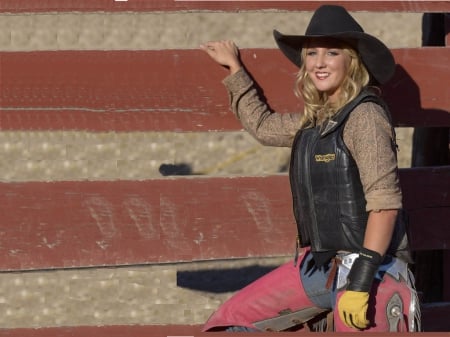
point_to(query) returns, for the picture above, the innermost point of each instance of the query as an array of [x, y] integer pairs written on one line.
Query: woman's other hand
[[226, 53]]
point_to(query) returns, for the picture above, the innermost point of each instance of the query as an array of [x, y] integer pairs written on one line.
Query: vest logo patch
[[326, 158]]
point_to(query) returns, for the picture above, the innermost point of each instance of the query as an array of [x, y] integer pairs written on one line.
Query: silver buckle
[[396, 268]]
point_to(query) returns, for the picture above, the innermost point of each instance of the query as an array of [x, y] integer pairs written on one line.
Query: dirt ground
[[174, 293]]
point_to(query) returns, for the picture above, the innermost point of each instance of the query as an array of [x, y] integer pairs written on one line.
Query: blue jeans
[[314, 283], [241, 329]]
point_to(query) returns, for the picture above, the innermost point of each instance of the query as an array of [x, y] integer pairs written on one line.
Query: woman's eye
[[310, 53], [333, 52]]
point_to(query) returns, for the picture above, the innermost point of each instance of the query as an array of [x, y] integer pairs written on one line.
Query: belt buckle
[[345, 262]]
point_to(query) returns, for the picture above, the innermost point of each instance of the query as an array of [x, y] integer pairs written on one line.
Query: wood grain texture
[[15, 6], [430, 314], [181, 90], [85, 224], [75, 224]]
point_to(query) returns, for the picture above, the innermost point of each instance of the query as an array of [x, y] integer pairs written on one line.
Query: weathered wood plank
[[446, 277], [71, 224], [181, 90], [426, 187], [411, 93], [429, 228], [435, 317], [434, 321], [447, 30], [106, 331], [81, 224], [426, 207], [427, 201], [15, 6]]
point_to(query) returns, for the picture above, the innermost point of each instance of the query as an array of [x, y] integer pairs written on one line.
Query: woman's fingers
[[223, 52]]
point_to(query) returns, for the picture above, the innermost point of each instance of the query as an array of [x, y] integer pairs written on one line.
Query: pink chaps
[[271, 294], [281, 291]]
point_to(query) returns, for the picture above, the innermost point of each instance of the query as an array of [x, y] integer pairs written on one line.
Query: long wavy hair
[[316, 102]]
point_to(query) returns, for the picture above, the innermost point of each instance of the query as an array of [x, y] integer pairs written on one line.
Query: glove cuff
[[363, 270]]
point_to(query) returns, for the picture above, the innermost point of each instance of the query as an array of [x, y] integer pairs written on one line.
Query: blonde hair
[[316, 102]]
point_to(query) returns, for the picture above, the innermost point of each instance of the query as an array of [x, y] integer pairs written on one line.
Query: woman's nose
[[320, 60]]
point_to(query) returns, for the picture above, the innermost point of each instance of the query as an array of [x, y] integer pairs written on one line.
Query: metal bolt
[[396, 311]]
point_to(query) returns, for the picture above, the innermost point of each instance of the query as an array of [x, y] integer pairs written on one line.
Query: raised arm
[[268, 127]]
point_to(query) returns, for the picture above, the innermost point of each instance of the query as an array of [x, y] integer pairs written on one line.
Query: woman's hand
[[226, 53]]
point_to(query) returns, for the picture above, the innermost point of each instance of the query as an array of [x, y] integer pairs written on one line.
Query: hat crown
[[330, 19], [335, 22]]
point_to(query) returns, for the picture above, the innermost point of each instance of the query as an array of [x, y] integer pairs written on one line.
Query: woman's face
[[326, 63]]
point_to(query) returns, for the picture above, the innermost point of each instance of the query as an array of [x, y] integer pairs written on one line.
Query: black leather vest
[[328, 197]]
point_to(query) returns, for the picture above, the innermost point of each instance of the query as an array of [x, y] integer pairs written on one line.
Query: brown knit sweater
[[367, 134]]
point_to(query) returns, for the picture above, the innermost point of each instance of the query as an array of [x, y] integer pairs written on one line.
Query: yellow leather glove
[[352, 308]]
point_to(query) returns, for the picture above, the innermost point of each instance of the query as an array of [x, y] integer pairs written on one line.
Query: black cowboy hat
[[335, 22]]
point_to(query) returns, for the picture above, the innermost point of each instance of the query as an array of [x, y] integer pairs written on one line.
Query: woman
[[344, 182]]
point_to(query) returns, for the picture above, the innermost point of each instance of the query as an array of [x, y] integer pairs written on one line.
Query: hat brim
[[375, 55]]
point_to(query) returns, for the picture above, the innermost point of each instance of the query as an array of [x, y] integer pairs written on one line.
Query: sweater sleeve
[[369, 137], [266, 126]]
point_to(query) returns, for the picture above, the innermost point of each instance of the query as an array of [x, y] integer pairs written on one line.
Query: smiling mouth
[[322, 76]]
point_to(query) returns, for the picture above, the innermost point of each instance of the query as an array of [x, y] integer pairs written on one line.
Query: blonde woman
[[344, 183]]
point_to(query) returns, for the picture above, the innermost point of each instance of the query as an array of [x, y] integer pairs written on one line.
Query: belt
[[392, 265]]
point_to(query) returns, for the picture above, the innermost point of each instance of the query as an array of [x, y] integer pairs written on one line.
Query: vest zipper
[[315, 235]]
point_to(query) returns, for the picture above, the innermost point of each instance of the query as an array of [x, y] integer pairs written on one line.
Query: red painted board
[[113, 90], [426, 187], [426, 198], [429, 228], [180, 331], [181, 90], [417, 94], [15, 6], [106, 331], [447, 30], [446, 276], [73, 224], [435, 316], [436, 325], [95, 223]]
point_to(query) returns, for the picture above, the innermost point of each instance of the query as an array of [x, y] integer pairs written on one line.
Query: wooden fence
[[79, 224]]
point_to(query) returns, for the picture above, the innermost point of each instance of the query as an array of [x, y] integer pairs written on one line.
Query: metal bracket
[[289, 320], [394, 312]]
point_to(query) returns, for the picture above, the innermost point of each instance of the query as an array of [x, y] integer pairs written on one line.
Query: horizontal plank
[[427, 201], [413, 96], [95, 223], [446, 276], [181, 90], [434, 320], [429, 228], [15, 6], [426, 187], [72, 224], [435, 316], [106, 331]]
